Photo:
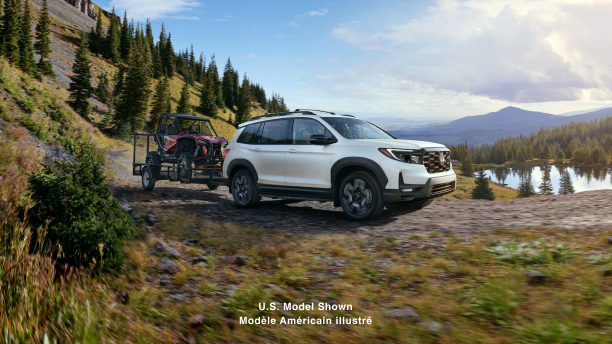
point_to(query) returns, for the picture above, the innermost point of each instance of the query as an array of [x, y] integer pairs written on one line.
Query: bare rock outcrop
[[85, 6]]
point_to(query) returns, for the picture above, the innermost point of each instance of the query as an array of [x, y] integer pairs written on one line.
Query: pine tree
[[133, 104], [11, 30], [228, 84], [183, 105], [27, 63], [243, 113], [149, 36], [168, 57], [207, 99], [119, 80], [546, 187], [125, 37], [96, 46], [160, 102], [113, 42], [103, 90], [566, 186], [467, 167], [526, 187], [236, 85], [108, 117], [80, 86], [482, 190], [42, 46]]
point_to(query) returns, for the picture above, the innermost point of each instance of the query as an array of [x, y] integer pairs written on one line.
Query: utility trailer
[[187, 149]]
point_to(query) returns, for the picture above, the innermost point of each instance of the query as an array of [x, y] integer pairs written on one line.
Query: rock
[[196, 322], [606, 272], [165, 281], [167, 265], [237, 259], [433, 327], [123, 297], [404, 313], [85, 6], [196, 260], [179, 297], [610, 240], [536, 276], [127, 207], [148, 229], [137, 218], [162, 248], [152, 219]]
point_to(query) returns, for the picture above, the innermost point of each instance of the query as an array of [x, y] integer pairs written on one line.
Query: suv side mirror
[[318, 139]]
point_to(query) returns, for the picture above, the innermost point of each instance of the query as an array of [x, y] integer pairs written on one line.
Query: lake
[[562, 180]]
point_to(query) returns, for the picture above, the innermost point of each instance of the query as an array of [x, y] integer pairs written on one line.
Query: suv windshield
[[354, 128], [188, 126]]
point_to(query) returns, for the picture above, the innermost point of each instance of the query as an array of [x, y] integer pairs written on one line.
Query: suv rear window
[[249, 133], [274, 132]]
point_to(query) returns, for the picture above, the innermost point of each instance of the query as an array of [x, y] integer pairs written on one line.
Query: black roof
[[183, 116]]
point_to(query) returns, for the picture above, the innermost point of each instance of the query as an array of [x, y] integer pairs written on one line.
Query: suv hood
[[403, 144]]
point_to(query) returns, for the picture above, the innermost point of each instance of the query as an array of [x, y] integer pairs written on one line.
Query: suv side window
[[249, 133], [274, 132], [304, 128]]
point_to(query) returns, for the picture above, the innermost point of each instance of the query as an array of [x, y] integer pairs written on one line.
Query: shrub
[[535, 252], [85, 224], [547, 332], [496, 303]]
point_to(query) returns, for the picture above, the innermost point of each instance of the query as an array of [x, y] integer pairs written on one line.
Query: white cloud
[[153, 9], [314, 13], [520, 51], [251, 56], [221, 19]]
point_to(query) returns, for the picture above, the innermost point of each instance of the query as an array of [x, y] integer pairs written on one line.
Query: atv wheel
[[213, 186], [244, 189], [148, 181], [185, 162]]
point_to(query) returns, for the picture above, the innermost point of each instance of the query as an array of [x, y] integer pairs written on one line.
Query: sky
[[424, 60]]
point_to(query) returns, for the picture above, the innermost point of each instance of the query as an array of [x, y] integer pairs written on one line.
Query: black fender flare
[[356, 161], [237, 163]]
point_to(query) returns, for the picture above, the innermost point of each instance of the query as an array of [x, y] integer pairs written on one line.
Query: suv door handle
[[291, 151], [257, 150]]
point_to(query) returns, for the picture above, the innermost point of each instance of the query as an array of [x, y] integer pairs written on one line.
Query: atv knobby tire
[[185, 162]]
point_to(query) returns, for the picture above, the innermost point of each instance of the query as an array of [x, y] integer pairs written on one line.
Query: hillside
[[509, 121]]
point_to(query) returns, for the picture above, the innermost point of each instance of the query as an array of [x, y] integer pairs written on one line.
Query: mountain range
[[509, 121]]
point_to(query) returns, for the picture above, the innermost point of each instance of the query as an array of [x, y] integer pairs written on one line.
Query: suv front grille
[[434, 164], [442, 189]]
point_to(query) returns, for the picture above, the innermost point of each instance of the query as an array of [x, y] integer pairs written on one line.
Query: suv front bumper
[[434, 187]]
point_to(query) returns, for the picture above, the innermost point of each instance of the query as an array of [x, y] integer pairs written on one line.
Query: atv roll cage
[[187, 150]]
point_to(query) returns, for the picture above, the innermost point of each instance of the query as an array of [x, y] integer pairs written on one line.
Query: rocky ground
[[459, 218]]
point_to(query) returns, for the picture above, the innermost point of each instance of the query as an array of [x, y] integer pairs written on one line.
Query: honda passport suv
[[317, 155]]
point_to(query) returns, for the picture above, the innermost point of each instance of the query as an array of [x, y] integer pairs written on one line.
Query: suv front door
[[308, 165], [267, 155]]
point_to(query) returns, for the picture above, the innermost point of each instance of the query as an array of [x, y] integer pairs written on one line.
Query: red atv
[[190, 149]]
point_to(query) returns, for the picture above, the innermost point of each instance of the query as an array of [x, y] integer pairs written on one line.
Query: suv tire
[[148, 181], [361, 196], [244, 189]]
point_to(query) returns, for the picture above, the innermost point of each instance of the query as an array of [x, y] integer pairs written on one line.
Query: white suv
[[317, 155]]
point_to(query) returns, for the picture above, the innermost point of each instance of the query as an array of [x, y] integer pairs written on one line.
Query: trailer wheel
[[148, 181], [213, 186]]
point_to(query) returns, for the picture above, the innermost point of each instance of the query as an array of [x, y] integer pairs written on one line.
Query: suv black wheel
[[361, 196], [213, 186], [244, 189], [148, 181], [185, 162]]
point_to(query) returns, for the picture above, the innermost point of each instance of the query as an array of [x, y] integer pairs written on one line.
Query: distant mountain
[[509, 121], [580, 112]]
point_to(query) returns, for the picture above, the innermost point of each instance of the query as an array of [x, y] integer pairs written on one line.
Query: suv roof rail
[[302, 111]]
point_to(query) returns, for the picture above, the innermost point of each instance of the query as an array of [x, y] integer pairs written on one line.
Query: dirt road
[[592, 209]]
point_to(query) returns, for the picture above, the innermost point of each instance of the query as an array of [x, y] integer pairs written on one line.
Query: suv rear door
[[267, 154]]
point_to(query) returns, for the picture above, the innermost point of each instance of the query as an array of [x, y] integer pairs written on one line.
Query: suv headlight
[[403, 155]]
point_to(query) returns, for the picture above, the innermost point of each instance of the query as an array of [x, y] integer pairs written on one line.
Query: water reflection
[[553, 179]]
